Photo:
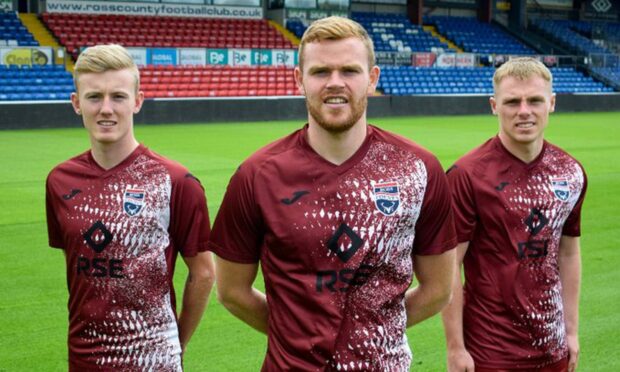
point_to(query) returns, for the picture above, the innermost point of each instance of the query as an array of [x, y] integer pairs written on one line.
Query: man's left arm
[[435, 274], [569, 260], [198, 284]]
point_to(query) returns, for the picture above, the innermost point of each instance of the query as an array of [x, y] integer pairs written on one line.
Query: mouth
[[106, 123], [525, 125], [336, 100]]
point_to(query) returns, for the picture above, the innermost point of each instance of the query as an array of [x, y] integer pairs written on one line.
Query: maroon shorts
[[559, 366]]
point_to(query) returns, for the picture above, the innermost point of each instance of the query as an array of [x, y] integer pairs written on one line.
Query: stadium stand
[[407, 80], [36, 83], [13, 32], [570, 34], [395, 33], [390, 33], [477, 37], [611, 73], [215, 81], [81, 30]]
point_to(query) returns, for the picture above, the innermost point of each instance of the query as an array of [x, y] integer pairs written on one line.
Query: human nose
[[524, 108], [106, 106], [335, 79]]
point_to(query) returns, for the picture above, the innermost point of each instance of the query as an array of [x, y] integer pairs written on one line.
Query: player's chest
[[518, 195], [102, 210], [343, 217]]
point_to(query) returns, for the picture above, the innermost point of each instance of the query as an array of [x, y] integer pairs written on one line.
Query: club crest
[[387, 197], [133, 201], [560, 188]]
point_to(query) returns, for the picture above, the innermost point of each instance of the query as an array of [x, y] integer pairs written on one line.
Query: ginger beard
[[337, 120]]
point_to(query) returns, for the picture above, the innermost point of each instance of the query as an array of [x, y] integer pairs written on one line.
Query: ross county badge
[[560, 188], [387, 198], [133, 201]]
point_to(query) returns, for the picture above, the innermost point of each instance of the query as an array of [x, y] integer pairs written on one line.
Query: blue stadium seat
[[409, 80], [34, 83], [477, 37]]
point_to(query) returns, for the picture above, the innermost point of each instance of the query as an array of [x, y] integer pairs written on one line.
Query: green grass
[[33, 294]]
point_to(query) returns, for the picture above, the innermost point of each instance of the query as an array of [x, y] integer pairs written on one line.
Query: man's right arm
[[235, 291], [459, 359]]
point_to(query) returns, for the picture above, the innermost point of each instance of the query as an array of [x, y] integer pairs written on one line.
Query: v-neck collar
[[500, 147], [101, 172], [347, 164]]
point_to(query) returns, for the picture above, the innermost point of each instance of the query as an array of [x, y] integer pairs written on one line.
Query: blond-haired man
[[517, 201], [121, 213], [340, 215]]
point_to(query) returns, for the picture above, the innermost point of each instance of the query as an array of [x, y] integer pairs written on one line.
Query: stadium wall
[[29, 115]]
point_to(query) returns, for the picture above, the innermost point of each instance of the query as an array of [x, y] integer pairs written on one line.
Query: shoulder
[[77, 164], [279, 150], [558, 155], [175, 169], [407, 145], [179, 174], [481, 156]]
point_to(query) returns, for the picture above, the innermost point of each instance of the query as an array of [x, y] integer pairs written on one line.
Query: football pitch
[[33, 289]]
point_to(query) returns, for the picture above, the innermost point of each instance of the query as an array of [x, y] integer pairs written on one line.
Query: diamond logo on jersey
[[339, 245], [536, 221], [98, 237], [387, 197], [560, 188], [133, 201]]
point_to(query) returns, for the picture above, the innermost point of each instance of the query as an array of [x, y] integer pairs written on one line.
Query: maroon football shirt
[[513, 216], [336, 245], [121, 230]]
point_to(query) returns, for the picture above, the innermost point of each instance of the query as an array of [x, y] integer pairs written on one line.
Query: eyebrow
[[321, 68], [518, 99], [99, 92]]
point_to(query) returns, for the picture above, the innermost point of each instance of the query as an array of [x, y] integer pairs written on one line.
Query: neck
[[526, 152], [336, 148], [110, 155]]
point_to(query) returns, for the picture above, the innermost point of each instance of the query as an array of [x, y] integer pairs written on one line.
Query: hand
[[460, 360], [573, 352]]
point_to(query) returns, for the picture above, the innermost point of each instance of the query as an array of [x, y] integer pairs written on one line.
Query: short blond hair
[[522, 68], [102, 58], [336, 28]]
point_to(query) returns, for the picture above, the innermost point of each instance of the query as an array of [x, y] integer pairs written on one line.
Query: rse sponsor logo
[[341, 281], [100, 267], [533, 249]]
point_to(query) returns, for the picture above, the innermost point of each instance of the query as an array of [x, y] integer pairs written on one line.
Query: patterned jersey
[[513, 215], [336, 244], [121, 230]]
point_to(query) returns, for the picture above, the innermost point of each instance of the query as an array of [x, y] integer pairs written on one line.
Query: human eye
[[319, 72], [93, 97], [511, 102], [536, 100], [351, 70]]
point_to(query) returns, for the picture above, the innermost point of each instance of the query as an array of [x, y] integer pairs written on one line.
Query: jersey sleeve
[[237, 229], [189, 224], [572, 226], [54, 233], [463, 202], [435, 227]]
